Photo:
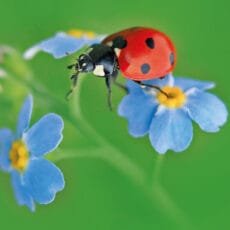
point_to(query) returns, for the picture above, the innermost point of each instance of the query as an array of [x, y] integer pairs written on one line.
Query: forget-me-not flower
[[34, 178], [64, 43], [168, 120]]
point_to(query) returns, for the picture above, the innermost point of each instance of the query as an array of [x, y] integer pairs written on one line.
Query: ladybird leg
[[151, 86], [121, 86], [114, 78], [108, 85], [74, 79]]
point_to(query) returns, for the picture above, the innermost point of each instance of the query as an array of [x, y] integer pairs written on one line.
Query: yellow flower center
[[176, 97], [19, 155], [81, 33]]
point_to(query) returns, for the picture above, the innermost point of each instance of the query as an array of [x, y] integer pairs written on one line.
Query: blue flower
[[34, 178], [168, 121], [63, 43]]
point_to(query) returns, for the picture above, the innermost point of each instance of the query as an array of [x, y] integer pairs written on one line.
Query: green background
[[195, 191]]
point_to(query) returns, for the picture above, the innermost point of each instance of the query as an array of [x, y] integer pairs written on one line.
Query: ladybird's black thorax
[[104, 55]]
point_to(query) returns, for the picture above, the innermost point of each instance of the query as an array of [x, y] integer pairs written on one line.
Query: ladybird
[[139, 53]]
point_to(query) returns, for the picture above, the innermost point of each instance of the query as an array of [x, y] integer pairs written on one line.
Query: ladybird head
[[85, 64]]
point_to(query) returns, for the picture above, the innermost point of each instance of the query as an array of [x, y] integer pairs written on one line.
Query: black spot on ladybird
[[119, 42], [145, 68], [171, 58], [150, 43]]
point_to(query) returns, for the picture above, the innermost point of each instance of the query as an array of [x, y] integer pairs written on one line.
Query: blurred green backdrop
[[97, 195]]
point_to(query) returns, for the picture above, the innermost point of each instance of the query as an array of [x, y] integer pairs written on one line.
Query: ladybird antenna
[[160, 90], [153, 87]]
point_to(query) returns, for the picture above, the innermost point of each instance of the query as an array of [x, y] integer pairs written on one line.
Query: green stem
[[165, 202], [107, 154], [156, 194], [157, 169], [168, 207]]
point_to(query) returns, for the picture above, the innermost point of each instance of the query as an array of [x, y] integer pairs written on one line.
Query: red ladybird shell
[[145, 53]]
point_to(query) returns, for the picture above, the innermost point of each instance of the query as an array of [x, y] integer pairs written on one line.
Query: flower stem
[[157, 169], [164, 201], [107, 154], [168, 207]]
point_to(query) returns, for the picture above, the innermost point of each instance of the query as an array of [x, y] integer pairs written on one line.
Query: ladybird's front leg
[[108, 85], [74, 79]]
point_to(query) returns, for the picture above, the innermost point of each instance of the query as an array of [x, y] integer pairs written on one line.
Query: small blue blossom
[[34, 178], [168, 121], [63, 43]]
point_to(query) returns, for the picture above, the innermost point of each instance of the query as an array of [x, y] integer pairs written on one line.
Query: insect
[[139, 53]]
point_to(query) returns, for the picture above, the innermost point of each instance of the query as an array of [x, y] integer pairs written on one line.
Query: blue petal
[[139, 109], [207, 110], [21, 193], [25, 116], [6, 139], [171, 129], [61, 45], [186, 83], [45, 135], [43, 180]]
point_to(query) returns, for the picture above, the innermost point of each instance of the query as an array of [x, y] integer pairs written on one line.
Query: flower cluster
[[165, 115], [168, 120], [34, 178]]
